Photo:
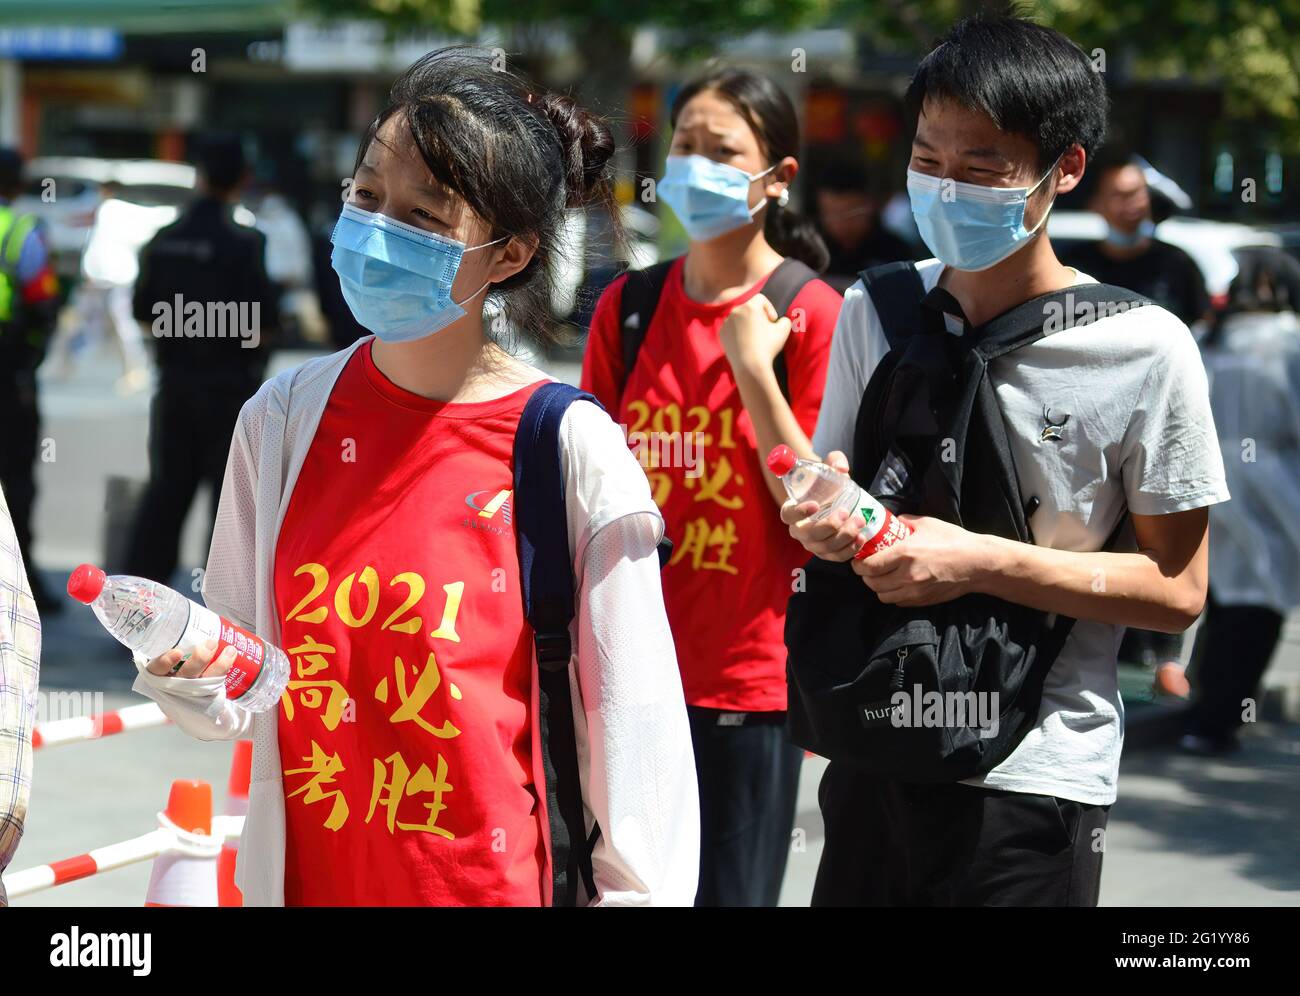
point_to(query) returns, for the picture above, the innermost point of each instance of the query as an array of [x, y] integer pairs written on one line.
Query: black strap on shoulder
[[896, 293], [785, 282], [643, 288], [781, 288], [1019, 326], [1070, 307], [641, 292], [546, 576]]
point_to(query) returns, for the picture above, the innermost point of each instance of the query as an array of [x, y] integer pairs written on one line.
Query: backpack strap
[[783, 285], [1019, 326], [896, 292], [636, 310], [546, 577], [643, 288], [1069, 307]]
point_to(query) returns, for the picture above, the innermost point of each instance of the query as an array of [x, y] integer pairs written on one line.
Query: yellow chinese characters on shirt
[[660, 435], [413, 693]]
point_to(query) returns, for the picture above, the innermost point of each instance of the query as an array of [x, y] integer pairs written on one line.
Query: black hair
[[519, 157], [1111, 159], [1268, 279], [1100, 166], [1030, 80], [843, 177], [221, 161], [768, 110], [11, 170]]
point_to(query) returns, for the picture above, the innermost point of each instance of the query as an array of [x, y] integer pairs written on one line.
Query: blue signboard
[[60, 43]]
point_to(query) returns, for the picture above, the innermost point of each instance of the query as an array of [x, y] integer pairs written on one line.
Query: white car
[[1209, 243], [65, 191]]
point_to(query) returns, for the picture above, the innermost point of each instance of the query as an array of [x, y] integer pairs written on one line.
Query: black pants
[[891, 843], [1233, 648], [749, 783], [189, 441], [1145, 646]]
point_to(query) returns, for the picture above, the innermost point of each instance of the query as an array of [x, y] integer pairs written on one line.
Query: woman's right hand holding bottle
[[196, 664]]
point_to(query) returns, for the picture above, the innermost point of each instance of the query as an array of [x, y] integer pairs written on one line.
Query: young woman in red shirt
[[703, 403], [408, 768]]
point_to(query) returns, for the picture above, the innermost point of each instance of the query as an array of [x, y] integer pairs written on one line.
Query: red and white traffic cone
[[241, 769], [186, 875]]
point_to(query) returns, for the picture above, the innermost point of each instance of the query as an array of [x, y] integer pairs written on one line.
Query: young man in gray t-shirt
[[1007, 114]]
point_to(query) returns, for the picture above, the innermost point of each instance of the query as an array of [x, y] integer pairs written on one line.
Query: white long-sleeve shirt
[[634, 745]]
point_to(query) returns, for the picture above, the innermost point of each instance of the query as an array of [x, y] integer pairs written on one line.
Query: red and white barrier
[[172, 846], [104, 724], [102, 859], [193, 851], [241, 769]]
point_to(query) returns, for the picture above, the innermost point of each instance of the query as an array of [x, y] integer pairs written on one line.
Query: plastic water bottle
[[808, 480], [152, 619]]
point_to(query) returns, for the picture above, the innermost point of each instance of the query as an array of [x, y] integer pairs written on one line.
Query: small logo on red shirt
[[493, 508]]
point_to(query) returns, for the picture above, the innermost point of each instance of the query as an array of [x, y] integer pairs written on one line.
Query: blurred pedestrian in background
[[288, 263], [848, 216], [101, 302], [204, 293], [29, 298], [20, 658], [696, 350], [1252, 356], [1131, 256]]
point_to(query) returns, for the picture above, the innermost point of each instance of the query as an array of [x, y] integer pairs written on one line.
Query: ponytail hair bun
[[587, 142]]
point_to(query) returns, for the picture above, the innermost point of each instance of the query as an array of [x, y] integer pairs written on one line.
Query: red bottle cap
[[86, 582], [781, 459]]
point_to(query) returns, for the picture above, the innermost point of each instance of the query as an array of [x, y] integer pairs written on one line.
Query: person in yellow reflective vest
[[29, 298]]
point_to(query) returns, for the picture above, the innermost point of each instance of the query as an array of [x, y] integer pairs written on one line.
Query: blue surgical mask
[[395, 277], [968, 226], [1127, 240], [709, 198]]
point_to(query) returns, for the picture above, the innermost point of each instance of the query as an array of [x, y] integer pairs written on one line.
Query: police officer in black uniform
[[209, 308]]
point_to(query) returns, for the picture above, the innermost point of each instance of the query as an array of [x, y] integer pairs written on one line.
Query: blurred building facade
[[125, 79]]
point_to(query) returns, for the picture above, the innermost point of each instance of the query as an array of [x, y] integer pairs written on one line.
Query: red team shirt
[[729, 578], [405, 738]]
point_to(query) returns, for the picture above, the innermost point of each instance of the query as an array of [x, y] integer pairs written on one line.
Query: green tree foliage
[[1249, 48]]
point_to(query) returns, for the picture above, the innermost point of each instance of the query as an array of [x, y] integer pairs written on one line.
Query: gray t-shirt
[[1139, 437]]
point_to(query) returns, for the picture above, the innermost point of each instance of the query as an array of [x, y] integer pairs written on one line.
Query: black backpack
[[643, 288], [931, 436]]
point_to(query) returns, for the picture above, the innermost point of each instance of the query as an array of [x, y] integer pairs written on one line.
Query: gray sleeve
[[1170, 459]]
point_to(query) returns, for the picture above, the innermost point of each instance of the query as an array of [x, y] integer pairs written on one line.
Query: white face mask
[[709, 198], [968, 226], [397, 278]]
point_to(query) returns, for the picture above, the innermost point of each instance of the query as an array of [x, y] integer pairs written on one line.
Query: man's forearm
[[1127, 589]]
